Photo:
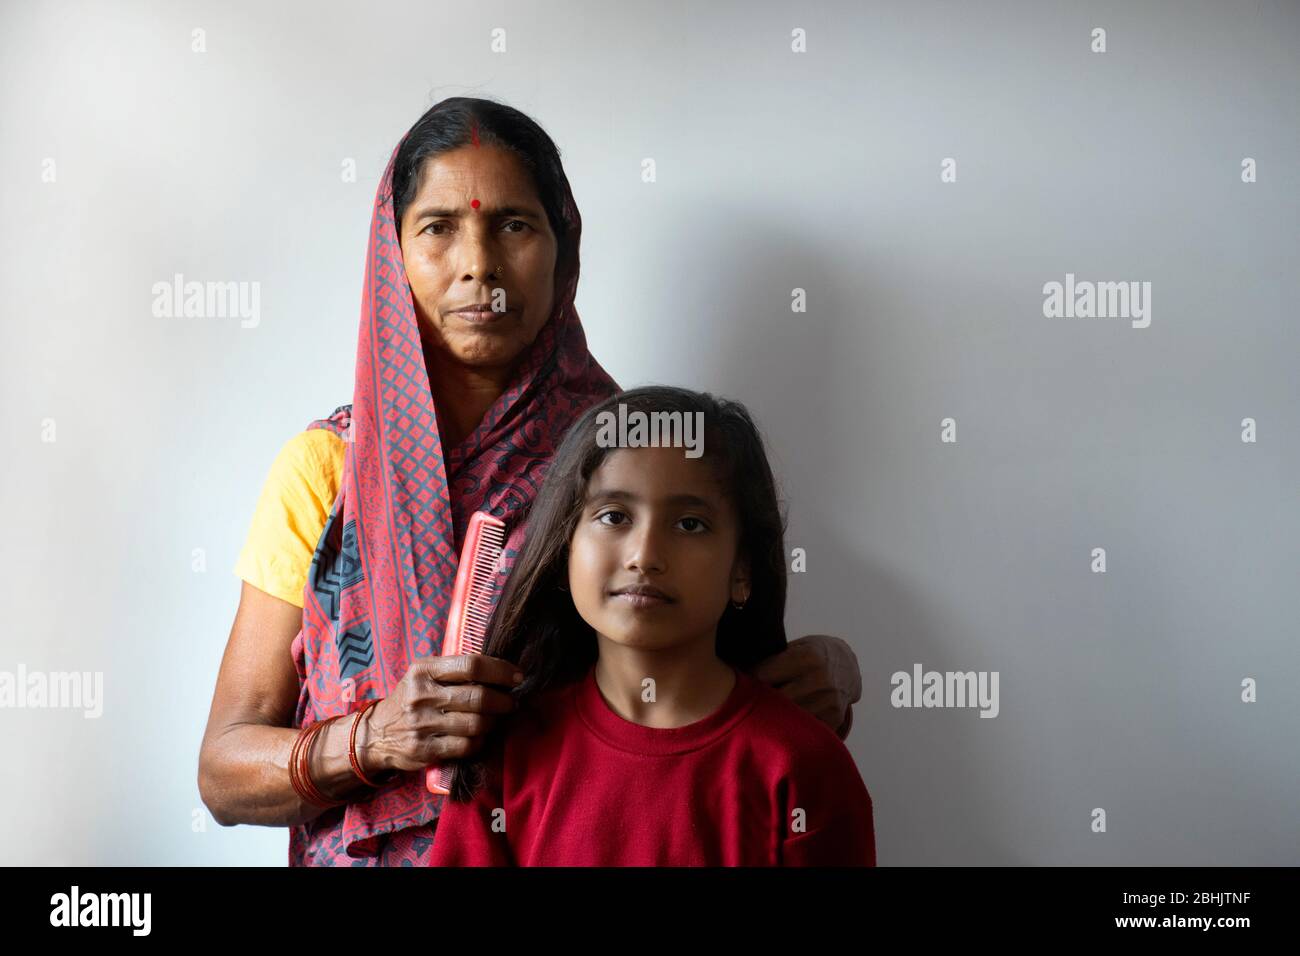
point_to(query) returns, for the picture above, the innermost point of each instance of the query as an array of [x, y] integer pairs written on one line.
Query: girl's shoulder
[[811, 770], [793, 734], [543, 712]]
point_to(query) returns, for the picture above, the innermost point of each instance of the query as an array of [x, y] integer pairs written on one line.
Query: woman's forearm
[[244, 773]]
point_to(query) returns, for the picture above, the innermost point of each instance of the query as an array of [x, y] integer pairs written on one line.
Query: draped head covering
[[381, 578]]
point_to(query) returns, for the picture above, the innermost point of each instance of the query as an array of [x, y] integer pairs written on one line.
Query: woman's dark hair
[[460, 121], [535, 624]]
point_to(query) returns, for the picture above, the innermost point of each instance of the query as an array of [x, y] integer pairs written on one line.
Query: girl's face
[[656, 518]]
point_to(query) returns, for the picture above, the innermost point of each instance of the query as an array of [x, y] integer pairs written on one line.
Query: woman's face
[[458, 254], [653, 516]]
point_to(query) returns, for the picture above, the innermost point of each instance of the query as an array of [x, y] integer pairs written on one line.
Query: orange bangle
[[308, 788], [293, 766], [352, 745], [300, 766], [306, 765]]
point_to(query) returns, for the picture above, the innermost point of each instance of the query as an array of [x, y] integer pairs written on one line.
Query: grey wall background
[[776, 170]]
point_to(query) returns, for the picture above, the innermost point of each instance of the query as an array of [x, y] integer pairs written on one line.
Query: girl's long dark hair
[[535, 624]]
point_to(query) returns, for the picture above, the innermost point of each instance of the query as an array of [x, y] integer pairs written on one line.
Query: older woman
[[471, 364]]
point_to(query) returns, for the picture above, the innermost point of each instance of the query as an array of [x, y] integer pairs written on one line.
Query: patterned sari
[[380, 583]]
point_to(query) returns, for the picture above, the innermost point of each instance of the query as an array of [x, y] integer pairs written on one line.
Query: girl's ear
[[740, 581]]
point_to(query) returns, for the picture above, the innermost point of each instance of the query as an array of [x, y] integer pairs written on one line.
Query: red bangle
[[305, 769], [306, 789], [306, 763], [300, 766], [352, 745], [293, 766]]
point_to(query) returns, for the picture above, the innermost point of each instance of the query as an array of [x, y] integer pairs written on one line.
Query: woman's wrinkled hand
[[441, 710], [820, 674]]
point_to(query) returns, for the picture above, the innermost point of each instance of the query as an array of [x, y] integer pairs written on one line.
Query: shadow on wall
[[935, 802]]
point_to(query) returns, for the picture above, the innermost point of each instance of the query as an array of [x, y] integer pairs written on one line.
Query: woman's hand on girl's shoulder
[[820, 674]]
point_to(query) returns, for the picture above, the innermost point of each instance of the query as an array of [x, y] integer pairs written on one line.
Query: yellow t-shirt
[[291, 512]]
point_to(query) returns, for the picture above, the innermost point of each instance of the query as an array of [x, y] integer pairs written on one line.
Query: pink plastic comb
[[471, 608]]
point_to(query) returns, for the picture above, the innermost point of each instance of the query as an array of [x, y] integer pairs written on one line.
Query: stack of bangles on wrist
[[300, 760]]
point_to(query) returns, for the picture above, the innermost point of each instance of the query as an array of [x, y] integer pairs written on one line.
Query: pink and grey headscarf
[[381, 579]]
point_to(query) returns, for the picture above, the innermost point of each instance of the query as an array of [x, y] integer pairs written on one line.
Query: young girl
[[649, 582]]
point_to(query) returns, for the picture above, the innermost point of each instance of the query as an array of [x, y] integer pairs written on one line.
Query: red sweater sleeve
[[838, 827], [472, 834]]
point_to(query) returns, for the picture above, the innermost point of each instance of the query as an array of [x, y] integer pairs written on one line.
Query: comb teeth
[[482, 586], [484, 545]]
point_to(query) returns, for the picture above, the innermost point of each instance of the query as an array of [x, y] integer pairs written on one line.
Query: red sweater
[[759, 782]]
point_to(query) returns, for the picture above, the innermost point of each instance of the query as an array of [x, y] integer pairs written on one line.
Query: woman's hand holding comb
[[441, 710]]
